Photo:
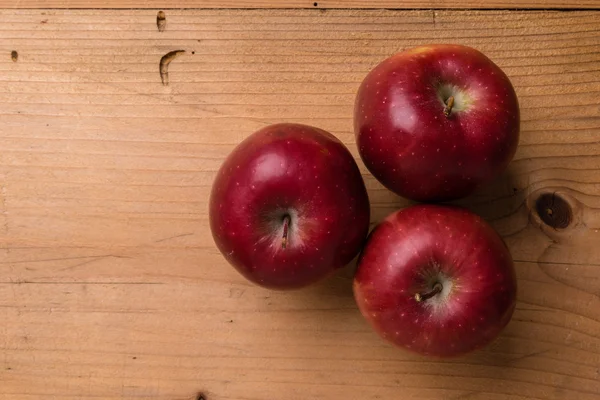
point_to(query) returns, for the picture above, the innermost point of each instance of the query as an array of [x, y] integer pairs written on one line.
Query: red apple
[[289, 206], [435, 122], [437, 280]]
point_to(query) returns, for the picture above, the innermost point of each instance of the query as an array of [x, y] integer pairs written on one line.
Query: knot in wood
[[554, 211]]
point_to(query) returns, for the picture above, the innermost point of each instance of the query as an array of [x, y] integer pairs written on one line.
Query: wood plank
[[323, 4], [110, 284]]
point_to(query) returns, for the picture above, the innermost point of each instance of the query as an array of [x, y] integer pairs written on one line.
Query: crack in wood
[[164, 65]]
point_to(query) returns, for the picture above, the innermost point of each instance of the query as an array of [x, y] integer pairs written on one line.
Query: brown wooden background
[[326, 4], [110, 284]]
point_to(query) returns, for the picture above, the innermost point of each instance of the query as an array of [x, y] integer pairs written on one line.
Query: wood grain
[[326, 4], [110, 284]]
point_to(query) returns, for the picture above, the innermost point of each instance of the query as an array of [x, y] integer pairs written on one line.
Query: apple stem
[[419, 297], [286, 224], [449, 104]]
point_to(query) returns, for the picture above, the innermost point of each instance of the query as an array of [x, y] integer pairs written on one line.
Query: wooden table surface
[[111, 286]]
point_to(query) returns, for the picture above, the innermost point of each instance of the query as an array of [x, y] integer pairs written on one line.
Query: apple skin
[[296, 170], [411, 250], [410, 145]]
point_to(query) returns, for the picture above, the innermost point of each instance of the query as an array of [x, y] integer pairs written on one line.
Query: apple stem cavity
[[437, 288], [448, 108], [286, 224]]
